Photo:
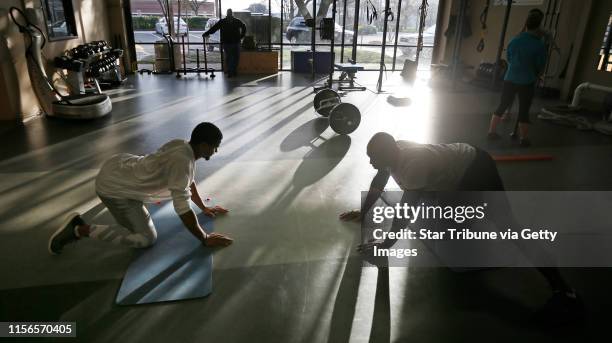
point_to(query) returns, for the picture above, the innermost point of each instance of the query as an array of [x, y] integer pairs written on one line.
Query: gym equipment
[[344, 118], [396, 38], [326, 27], [197, 69], [176, 267], [409, 70], [500, 47], [348, 71], [549, 35], [52, 102], [572, 115], [461, 30], [483, 26], [399, 102], [486, 71], [343, 31], [96, 60], [387, 14]]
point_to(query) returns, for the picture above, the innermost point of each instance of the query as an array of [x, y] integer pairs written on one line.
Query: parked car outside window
[[298, 32], [161, 26]]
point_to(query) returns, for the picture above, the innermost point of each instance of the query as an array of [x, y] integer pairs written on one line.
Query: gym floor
[[292, 274]]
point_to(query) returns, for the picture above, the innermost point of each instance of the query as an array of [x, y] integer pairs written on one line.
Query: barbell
[[344, 118], [326, 27]]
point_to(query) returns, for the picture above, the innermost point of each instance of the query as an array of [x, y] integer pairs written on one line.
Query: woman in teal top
[[526, 61]]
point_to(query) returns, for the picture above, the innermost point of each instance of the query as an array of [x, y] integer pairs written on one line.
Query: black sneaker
[[65, 234], [493, 136], [524, 143], [562, 308]]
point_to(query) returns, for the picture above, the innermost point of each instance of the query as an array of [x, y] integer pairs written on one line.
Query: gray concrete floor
[[292, 274]]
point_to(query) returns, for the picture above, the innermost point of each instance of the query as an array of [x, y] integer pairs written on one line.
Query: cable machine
[[410, 67]]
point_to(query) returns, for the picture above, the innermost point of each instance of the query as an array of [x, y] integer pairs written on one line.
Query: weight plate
[[325, 100], [344, 118]]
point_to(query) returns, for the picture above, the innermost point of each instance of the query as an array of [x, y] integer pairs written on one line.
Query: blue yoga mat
[[176, 267]]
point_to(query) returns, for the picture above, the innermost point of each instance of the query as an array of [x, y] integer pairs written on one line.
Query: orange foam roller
[[517, 158]]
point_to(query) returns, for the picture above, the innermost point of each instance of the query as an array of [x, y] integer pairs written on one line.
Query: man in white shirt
[[449, 167], [125, 182]]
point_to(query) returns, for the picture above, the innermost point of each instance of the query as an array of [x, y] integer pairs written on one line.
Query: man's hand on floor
[[217, 240], [214, 211], [351, 216]]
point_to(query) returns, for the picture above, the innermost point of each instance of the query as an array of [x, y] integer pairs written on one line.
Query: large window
[[280, 25], [59, 16], [190, 19]]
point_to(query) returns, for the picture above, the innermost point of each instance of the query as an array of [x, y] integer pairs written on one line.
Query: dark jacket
[[232, 30]]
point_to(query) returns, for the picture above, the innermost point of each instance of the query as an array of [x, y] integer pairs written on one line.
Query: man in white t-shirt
[[125, 182], [449, 167]]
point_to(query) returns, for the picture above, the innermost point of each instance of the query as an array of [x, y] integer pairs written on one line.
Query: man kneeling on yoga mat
[[449, 167], [125, 182]]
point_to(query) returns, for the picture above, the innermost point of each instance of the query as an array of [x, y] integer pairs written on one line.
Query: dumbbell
[[88, 50], [78, 53], [344, 118]]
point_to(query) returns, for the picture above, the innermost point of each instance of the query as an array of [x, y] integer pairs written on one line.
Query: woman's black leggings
[[525, 95]]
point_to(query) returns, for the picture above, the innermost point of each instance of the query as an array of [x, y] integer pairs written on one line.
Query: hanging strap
[[371, 17], [422, 17], [483, 25]]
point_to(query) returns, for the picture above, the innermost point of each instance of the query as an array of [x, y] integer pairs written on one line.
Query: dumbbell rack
[[89, 62]]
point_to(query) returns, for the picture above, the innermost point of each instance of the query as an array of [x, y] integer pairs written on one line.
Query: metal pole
[[184, 58], [170, 21], [547, 13], [552, 45], [458, 40], [502, 38], [422, 18], [198, 61], [384, 44], [397, 24], [332, 57], [553, 14], [313, 35], [205, 57], [281, 32], [270, 25], [343, 30], [220, 44], [355, 31]]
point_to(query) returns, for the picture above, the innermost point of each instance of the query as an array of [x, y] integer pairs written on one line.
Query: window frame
[[70, 20]]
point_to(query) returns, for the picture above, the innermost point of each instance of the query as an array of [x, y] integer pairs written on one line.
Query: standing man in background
[[232, 32]]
